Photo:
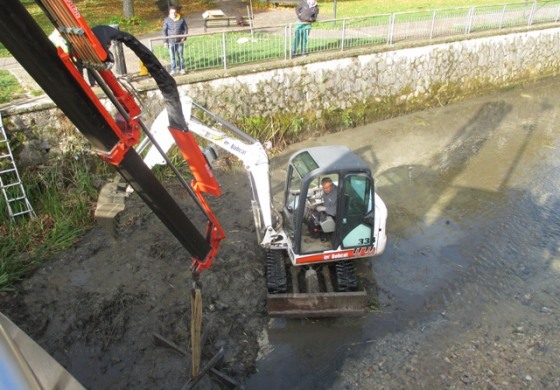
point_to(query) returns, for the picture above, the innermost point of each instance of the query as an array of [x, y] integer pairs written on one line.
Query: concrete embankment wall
[[339, 82], [404, 73]]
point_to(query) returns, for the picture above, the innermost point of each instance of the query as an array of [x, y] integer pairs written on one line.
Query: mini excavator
[[309, 265], [306, 276]]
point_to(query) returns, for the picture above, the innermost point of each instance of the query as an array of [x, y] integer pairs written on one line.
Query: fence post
[[433, 24], [287, 51], [391, 29], [343, 37], [120, 62], [470, 16], [224, 50], [287, 40], [503, 15], [531, 14]]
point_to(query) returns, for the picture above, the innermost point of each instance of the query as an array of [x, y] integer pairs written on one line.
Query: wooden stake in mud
[[196, 325]]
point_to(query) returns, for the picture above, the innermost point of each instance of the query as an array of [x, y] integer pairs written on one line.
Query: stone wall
[[340, 83]]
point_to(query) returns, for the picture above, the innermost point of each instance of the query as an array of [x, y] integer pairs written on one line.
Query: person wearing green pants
[[307, 13]]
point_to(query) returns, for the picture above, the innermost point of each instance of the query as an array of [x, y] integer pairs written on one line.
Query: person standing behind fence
[[307, 12], [175, 24]]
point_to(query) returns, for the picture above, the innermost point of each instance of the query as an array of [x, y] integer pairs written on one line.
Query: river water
[[468, 286]]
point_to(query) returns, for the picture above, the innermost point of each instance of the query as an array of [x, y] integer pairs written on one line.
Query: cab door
[[356, 220], [292, 201]]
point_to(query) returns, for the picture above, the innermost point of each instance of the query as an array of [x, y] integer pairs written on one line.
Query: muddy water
[[469, 285]]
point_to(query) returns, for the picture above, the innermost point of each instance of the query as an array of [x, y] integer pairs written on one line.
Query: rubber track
[[346, 277], [277, 281]]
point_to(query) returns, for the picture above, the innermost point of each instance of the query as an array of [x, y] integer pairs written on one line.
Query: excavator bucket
[[333, 304]]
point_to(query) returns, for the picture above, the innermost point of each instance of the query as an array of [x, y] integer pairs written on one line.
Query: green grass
[[200, 51], [149, 14], [355, 8], [9, 87], [260, 47], [62, 195]]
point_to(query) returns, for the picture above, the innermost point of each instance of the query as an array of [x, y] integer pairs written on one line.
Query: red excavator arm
[[56, 71]]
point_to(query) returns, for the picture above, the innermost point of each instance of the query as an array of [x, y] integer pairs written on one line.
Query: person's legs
[[181, 59], [304, 34], [297, 38], [172, 52]]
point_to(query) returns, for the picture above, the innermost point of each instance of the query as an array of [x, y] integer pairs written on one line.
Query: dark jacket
[[307, 14], [174, 27]]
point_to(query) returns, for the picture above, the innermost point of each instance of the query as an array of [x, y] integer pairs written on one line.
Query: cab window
[[357, 220]]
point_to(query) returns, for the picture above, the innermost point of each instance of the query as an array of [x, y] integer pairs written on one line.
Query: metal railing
[[243, 46]]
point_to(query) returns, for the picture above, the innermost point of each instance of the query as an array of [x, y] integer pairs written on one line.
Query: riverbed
[[468, 287], [467, 291]]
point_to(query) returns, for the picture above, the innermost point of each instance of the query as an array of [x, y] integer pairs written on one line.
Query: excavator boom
[[232, 140], [321, 281], [56, 72], [360, 229]]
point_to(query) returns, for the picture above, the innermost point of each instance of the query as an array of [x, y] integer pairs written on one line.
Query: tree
[[128, 9]]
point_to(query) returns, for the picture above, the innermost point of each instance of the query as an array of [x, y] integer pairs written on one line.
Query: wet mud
[[467, 290], [468, 286], [100, 307]]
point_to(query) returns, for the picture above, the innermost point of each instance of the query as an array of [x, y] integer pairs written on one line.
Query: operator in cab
[[329, 196], [327, 208]]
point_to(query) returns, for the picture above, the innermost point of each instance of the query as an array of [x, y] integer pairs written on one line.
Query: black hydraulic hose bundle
[[165, 82], [30, 46]]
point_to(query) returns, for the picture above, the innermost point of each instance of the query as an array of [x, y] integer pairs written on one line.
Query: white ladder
[[10, 182]]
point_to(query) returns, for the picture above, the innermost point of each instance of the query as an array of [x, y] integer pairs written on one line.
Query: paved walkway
[[232, 8], [195, 22]]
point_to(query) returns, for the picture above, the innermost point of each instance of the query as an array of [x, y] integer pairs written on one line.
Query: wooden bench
[[217, 18]]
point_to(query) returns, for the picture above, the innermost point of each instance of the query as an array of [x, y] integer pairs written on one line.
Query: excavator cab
[[331, 216], [321, 229]]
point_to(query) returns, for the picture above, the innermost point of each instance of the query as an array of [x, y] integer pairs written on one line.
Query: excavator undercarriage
[[325, 290]]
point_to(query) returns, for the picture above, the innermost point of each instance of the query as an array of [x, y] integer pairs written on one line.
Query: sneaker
[[182, 71], [172, 73]]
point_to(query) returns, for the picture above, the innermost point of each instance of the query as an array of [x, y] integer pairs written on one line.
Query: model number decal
[[364, 251]]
